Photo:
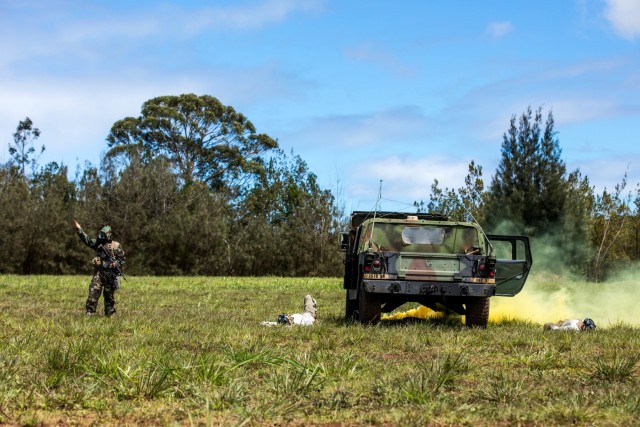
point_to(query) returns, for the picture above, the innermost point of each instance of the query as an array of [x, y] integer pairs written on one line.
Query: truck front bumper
[[415, 287]]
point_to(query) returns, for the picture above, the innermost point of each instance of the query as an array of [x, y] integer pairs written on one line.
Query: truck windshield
[[422, 235], [419, 238]]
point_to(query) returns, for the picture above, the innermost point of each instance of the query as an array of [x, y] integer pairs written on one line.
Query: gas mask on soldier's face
[[588, 324], [283, 319], [104, 235]]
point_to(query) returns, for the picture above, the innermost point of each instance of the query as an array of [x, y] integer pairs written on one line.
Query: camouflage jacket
[[112, 247]]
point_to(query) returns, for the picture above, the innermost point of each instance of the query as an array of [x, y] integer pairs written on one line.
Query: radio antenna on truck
[[473, 219], [375, 211]]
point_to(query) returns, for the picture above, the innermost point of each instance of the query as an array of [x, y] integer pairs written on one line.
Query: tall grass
[[191, 351]]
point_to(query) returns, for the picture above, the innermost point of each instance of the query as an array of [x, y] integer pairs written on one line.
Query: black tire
[[477, 312], [370, 307], [351, 308]]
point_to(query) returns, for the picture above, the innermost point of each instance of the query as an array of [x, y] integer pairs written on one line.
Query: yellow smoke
[[549, 298], [420, 312]]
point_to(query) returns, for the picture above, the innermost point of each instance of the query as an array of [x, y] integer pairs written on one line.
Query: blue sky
[[404, 92]]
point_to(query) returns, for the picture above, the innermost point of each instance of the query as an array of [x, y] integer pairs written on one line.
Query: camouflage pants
[[310, 305], [100, 282]]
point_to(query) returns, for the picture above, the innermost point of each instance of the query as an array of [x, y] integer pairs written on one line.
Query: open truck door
[[513, 263]]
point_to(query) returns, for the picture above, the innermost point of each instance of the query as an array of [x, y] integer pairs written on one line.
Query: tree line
[[573, 227], [191, 188]]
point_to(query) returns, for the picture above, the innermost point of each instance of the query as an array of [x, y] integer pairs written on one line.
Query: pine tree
[[529, 188]]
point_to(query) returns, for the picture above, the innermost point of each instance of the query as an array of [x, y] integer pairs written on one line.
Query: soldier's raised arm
[[83, 236]]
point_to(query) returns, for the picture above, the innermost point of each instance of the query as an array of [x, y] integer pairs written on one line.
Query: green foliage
[[529, 187], [15, 204], [501, 389], [465, 203], [611, 217], [616, 367], [592, 233], [186, 190], [202, 138], [33, 210], [22, 149], [576, 223], [444, 371], [288, 225], [285, 224], [190, 187], [531, 193]]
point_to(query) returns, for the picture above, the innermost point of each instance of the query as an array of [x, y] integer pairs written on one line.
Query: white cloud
[[624, 16], [246, 18], [381, 127], [76, 115], [404, 179], [606, 173], [568, 111], [581, 110], [80, 30], [499, 29], [596, 67]]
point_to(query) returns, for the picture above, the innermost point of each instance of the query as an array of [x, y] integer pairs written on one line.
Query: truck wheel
[[370, 307], [351, 307], [477, 312]]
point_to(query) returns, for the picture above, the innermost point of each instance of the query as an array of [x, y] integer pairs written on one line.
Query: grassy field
[[191, 351]]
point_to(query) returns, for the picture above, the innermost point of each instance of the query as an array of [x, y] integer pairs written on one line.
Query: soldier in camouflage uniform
[[107, 264]]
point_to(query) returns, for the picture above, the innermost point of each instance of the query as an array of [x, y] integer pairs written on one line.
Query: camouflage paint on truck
[[392, 258]]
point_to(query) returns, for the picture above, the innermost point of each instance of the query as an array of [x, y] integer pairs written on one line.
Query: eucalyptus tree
[[22, 149], [611, 217], [203, 139]]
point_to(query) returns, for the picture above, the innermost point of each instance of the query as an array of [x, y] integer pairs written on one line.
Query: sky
[[375, 96]]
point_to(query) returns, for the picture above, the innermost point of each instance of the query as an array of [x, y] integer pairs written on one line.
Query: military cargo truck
[[392, 258]]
